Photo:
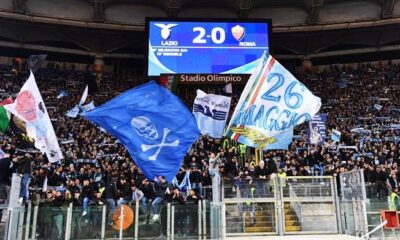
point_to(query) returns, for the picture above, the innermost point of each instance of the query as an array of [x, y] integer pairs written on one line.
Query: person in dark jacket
[[261, 174], [110, 195], [95, 213], [370, 178], [25, 170], [381, 178], [149, 195], [195, 180], [76, 216], [57, 213], [87, 194], [126, 192], [160, 188]]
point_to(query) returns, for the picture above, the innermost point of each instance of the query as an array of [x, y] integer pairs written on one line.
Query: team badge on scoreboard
[[165, 29], [238, 32]]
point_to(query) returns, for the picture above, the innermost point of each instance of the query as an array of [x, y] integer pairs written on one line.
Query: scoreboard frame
[[268, 21]]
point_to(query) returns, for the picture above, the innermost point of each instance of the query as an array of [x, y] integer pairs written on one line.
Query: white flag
[[378, 106], [211, 112], [29, 106], [227, 88], [272, 102], [84, 95], [88, 107], [335, 137], [73, 113]]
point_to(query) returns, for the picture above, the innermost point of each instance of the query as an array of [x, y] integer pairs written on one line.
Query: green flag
[[4, 119]]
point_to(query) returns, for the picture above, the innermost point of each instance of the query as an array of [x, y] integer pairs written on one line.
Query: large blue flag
[[153, 124], [282, 141]]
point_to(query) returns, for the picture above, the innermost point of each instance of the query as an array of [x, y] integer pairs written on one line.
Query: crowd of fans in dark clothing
[[97, 170]]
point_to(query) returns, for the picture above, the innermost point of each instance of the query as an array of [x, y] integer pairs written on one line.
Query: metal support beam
[[78, 43], [19, 6], [173, 7], [244, 8], [387, 8], [98, 9], [313, 13]]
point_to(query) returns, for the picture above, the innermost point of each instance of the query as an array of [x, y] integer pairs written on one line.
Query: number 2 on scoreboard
[[217, 35]]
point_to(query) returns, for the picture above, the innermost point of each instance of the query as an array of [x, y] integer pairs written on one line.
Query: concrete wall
[[6, 4], [133, 14], [207, 13], [281, 16], [350, 10], [61, 8]]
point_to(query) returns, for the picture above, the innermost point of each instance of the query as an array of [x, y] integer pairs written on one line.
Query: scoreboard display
[[205, 47]]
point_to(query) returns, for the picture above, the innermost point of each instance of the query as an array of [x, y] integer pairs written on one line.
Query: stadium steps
[[292, 223], [263, 221]]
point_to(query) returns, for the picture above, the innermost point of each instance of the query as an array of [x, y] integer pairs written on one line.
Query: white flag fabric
[[84, 95], [88, 107], [228, 88], [272, 102], [62, 94], [335, 137], [211, 112], [378, 106], [73, 113], [29, 106]]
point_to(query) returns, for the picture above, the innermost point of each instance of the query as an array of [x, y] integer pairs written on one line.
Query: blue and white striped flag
[[211, 112]]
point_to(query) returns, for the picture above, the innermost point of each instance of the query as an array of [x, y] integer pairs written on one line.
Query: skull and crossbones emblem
[[145, 128]]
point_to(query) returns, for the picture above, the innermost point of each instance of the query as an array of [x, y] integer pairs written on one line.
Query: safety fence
[[175, 221], [280, 206]]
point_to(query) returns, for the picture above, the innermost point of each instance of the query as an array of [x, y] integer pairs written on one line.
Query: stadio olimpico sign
[[202, 79]]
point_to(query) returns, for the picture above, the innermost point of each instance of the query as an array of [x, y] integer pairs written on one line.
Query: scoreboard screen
[[205, 47]]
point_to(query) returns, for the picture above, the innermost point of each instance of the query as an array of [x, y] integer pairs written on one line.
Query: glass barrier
[[307, 187], [244, 188], [250, 217], [136, 220], [185, 220]]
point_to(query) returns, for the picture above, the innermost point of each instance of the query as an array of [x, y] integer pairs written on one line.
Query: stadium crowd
[[97, 170]]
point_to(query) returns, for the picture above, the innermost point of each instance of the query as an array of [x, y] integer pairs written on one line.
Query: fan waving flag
[[272, 102], [154, 126], [30, 108], [211, 112], [4, 114]]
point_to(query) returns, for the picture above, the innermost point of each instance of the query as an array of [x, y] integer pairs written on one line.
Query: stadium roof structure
[[302, 29]]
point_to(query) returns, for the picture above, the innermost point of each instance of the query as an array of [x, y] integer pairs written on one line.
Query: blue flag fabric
[[153, 124], [283, 141]]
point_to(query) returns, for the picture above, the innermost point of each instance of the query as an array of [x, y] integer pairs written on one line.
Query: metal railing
[[297, 206], [293, 205], [176, 221]]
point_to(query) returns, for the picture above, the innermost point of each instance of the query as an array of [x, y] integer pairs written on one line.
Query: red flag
[[6, 101]]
